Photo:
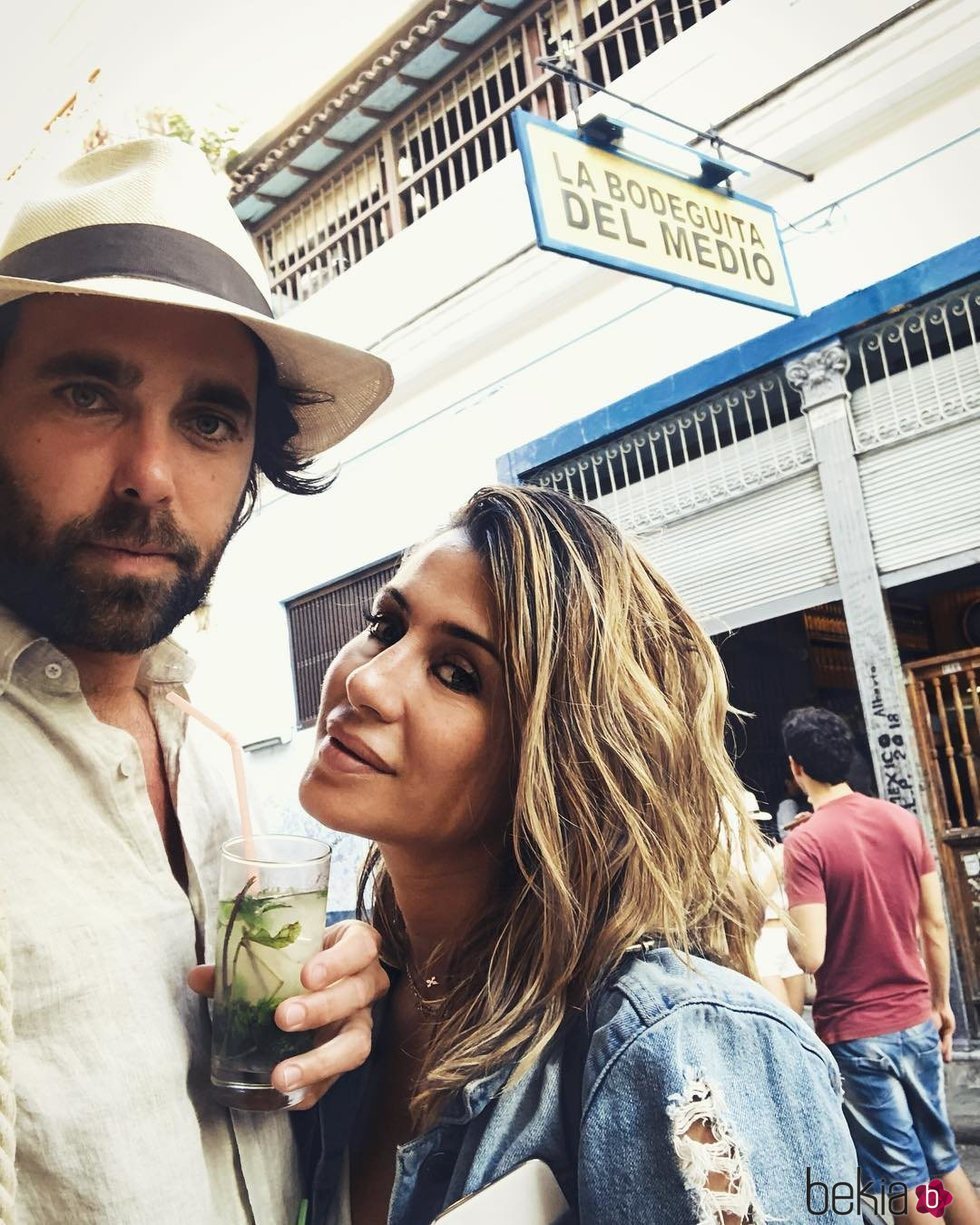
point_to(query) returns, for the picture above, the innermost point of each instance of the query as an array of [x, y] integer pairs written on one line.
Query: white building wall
[[494, 343]]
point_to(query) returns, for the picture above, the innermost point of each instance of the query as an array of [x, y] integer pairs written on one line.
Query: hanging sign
[[600, 204]]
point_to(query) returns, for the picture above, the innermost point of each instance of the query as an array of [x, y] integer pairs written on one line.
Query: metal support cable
[[713, 136]]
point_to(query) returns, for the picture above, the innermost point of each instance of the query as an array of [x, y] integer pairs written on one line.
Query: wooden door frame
[[947, 835]]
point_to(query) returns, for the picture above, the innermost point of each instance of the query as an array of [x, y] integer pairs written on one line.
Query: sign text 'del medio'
[[601, 205]]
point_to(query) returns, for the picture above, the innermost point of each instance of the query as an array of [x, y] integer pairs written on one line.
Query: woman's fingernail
[[317, 978], [295, 1014], [290, 1076]]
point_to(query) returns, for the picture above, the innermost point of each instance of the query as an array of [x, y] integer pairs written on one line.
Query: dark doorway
[[803, 659]]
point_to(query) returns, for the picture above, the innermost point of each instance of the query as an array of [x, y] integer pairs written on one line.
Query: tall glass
[[272, 901]]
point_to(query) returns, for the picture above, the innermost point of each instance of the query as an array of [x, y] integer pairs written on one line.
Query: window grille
[[463, 128], [333, 229], [319, 625], [618, 34]]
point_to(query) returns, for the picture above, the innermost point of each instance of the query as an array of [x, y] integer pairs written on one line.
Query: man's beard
[[42, 582]]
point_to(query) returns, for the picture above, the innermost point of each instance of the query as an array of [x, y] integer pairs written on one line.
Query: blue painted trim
[[932, 276], [521, 121]]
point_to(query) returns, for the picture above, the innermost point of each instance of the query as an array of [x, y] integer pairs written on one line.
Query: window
[[319, 625]]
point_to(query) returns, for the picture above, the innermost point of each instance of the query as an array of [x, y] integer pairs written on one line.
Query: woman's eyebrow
[[451, 628], [460, 631], [394, 594]]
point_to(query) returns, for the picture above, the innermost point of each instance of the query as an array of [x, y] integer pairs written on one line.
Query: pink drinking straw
[[238, 762]]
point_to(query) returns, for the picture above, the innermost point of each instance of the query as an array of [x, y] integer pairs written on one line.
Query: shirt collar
[[15, 638], [163, 664]]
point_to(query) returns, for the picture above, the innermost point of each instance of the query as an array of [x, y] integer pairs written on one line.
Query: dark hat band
[[150, 252]]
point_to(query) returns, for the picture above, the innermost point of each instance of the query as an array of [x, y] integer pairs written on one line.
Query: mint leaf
[[285, 935]]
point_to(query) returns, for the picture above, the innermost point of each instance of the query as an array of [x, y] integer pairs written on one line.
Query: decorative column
[[820, 377]]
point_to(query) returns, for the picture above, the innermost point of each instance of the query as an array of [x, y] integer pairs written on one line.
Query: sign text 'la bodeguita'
[[712, 237], [599, 204]]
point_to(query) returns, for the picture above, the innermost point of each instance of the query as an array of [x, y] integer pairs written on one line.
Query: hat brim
[[352, 382]]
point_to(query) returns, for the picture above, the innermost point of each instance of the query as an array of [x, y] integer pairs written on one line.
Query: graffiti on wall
[[888, 744]]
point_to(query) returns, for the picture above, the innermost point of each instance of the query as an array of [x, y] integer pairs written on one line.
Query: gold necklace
[[424, 1007]]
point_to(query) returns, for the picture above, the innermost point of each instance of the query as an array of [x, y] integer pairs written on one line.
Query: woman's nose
[[378, 684]]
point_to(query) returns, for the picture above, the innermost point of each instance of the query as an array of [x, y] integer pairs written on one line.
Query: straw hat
[[148, 221]]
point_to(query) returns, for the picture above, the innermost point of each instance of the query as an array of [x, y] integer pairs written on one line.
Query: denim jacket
[[667, 1047]]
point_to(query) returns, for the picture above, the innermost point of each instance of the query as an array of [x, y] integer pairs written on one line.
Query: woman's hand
[[343, 981]]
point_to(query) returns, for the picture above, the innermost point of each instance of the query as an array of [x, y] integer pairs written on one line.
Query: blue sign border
[[522, 120]]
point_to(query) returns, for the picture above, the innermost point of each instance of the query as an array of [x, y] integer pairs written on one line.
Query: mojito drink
[[265, 934]]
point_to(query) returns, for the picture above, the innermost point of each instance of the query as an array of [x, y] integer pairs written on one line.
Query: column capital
[[820, 375]]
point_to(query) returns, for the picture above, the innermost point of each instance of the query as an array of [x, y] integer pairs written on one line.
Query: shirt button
[[52, 671], [125, 768]]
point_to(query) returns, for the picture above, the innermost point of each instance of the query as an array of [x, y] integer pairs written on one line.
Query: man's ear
[[797, 773]]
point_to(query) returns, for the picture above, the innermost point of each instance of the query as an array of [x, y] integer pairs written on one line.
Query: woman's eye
[[214, 428], [385, 630], [457, 677]]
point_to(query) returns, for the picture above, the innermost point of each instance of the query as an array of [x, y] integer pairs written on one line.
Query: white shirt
[[115, 1125]]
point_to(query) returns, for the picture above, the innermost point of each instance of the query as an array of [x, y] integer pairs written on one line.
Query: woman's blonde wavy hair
[[628, 819]]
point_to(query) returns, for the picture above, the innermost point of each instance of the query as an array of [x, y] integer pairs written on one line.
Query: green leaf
[[285, 935]]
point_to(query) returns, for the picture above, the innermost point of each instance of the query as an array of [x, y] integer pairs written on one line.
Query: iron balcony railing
[[455, 132], [916, 371], [909, 373], [742, 438]]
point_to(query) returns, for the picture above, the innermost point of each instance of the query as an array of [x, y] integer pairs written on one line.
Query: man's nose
[[145, 465]]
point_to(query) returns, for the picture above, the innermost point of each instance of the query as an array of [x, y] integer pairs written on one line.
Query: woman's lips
[[335, 756]]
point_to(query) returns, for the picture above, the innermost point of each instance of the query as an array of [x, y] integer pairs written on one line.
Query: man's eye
[[83, 396], [214, 427]]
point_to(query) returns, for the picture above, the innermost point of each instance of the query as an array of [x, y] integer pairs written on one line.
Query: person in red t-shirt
[[862, 887]]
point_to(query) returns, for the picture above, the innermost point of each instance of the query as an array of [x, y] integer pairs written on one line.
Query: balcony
[[394, 156]]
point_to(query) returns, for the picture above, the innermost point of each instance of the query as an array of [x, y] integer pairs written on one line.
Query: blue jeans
[[895, 1106]]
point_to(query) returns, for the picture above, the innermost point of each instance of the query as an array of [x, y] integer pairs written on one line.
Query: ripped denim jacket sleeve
[[708, 1115]]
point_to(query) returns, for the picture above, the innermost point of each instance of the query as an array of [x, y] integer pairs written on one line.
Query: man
[[144, 388], [862, 887]]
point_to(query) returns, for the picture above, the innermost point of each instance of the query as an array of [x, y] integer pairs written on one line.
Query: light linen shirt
[[115, 1125]]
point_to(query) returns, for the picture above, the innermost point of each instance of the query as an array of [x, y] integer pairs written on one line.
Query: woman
[[774, 963], [530, 730]]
